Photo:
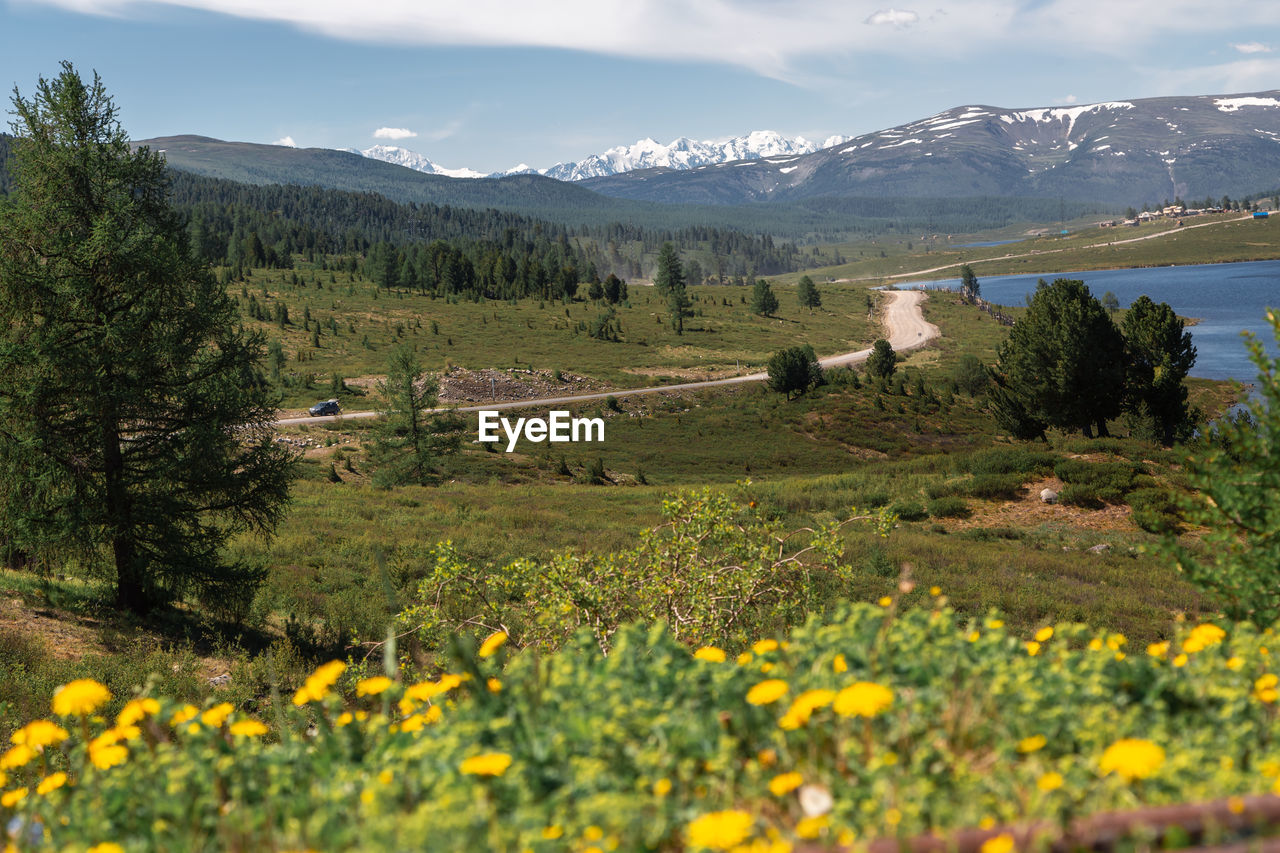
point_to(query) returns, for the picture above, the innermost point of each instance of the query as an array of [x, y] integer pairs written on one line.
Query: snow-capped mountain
[[685, 153], [682, 153], [414, 160], [1120, 152]]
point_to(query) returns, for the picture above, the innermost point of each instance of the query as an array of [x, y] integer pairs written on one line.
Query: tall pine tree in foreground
[[135, 424]]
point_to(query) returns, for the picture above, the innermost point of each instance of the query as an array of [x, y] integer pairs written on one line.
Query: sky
[[488, 84]]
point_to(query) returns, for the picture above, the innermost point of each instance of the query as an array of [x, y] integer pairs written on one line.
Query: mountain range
[[1120, 152], [682, 153], [1001, 165]]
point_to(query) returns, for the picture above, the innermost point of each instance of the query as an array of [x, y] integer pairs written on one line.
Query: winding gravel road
[[903, 320]]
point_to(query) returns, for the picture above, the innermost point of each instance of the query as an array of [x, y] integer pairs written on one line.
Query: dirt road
[[904, 322]]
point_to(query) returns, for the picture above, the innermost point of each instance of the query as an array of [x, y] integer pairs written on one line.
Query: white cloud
[[1069, 99], [769, 37], [286, 141], [393, 133], [893, 18], [1252, 47]]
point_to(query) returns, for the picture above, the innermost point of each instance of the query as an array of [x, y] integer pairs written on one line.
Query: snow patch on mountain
[[1230, 105], [682, 153], [686, 153], [414, 160]]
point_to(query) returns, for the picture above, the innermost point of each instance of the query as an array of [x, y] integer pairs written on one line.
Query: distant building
[[1260, 214]]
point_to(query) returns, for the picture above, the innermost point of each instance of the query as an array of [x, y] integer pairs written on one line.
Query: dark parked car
[[328, 407]]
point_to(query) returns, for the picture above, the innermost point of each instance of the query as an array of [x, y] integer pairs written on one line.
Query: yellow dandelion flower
[[106, 847], [551, 833], [1264, 689], [492, 643], [494, 685], [107, 756], [710, 654], [995, 624], [39, 733], [1032, 744], [763, 647], [1158, 650], [785, 783], [592, 833], [80, 698], [662, 787], [893, 816], [1033, 648], [217, 715], [488, 764], [1202, 637], [766, 667], [1132, 758], [839, 665], [767, 692], [248, 728], [885, 601], [803, 707], [973, 636], [1234, 663], [810, 828], [12, 798], [372, 686], [51, 783], [863, 699], [1050, 781], [744, 658], [17, 756], [1095, 645], [1180, 661], [1115, 641], [987, 822], [136, 709], [767, 757], [1002, 843], [720, 830], [182, 715], [1044, 634], [935, 591]]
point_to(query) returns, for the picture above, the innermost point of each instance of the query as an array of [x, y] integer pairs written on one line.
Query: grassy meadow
[[1224, 238], [339, 323]]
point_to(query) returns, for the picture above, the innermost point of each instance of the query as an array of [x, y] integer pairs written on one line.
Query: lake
[[1226, 298]]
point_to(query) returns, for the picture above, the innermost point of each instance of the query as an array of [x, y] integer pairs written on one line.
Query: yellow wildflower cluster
[[317, 687], [80, 698]]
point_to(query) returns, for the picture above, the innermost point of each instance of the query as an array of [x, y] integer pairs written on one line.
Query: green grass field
[[1086, 247], [358, 324]]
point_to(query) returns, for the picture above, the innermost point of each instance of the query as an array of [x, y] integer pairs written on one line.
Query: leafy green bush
[[949, 508], [909, 510], [1155, 510], [899, 724], [716, 570], [1101, 481], [1007, 486], [1011, 460], [1235, 469], [1081, 495]]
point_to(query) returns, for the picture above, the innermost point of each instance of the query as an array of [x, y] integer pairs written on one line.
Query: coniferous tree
[[969, 288], [1158, 355], [410, 440], [808, 294], [883, 361], [763, 300], [135, 423], [1063, 362], [670, 283]]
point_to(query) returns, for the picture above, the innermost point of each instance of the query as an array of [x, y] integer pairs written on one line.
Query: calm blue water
[[1228, 298]]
